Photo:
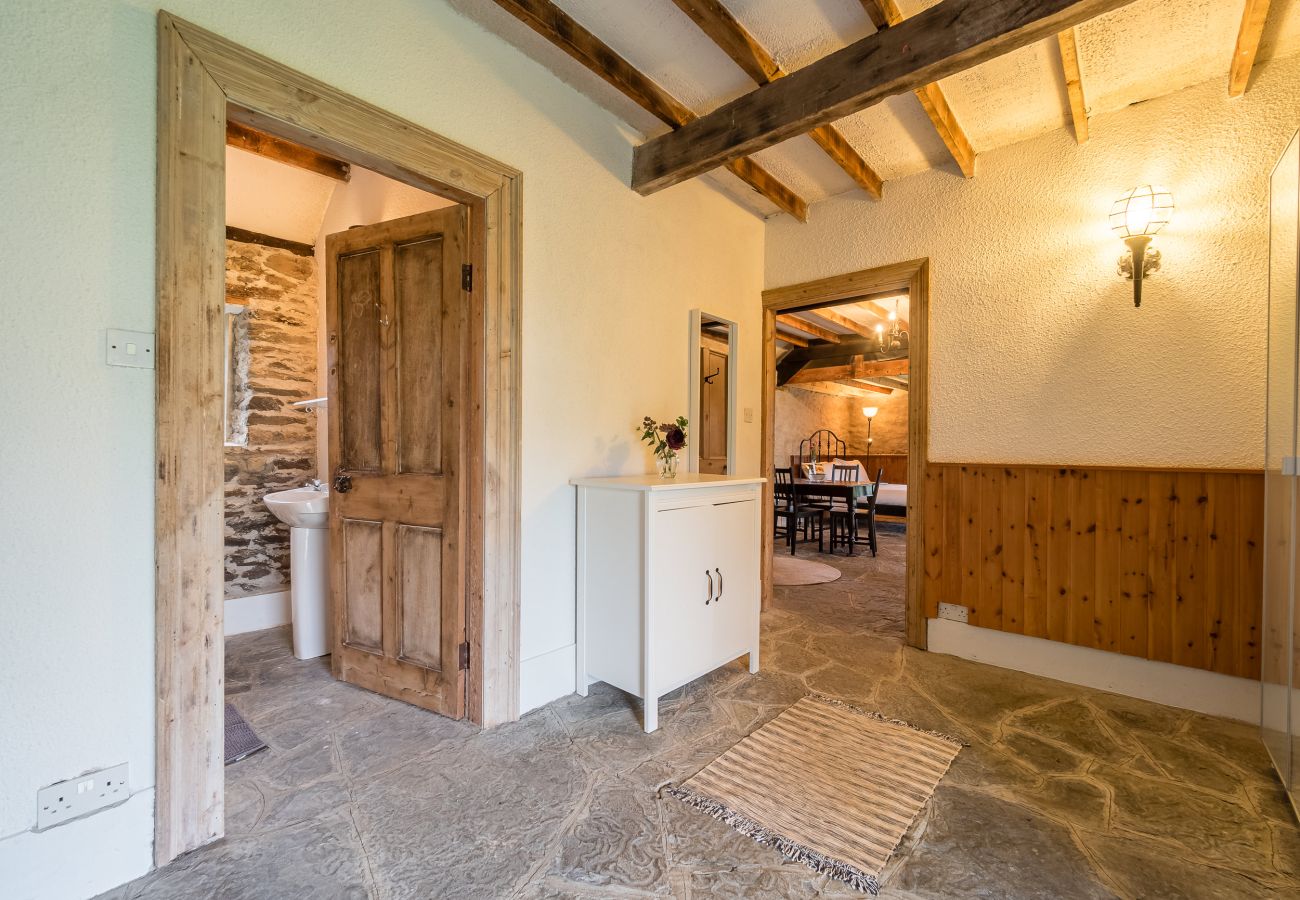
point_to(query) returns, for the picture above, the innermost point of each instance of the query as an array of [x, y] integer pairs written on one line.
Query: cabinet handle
[[719, 597], [710, 575]]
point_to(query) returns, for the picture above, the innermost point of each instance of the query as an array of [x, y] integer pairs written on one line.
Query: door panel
[[398, 352], [362, 557], [356, 402], [419, 594], [682, 587], [734, 524], [713, 411]]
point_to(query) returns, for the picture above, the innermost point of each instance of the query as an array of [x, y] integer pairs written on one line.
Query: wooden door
[[713, 411], [397, 316]]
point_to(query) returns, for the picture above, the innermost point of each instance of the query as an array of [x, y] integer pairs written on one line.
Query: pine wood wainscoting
[[1165, 564]]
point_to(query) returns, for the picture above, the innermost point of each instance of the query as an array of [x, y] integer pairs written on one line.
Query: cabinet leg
[[651, 714], [753, 660], [583, 688]]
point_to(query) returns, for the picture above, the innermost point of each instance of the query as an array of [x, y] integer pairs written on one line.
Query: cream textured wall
[[1037, 354], [608, 280]]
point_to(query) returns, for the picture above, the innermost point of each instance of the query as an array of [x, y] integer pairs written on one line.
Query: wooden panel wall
[[1161, 564]]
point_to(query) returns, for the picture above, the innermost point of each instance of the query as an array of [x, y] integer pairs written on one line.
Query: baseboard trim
[[257, 612], [546, 677], [1186, 688]]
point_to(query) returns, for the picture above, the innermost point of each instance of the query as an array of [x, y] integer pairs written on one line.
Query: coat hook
[[708, 379]]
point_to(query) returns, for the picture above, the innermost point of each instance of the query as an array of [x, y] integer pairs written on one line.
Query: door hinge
[[467, 277], [464, 654]]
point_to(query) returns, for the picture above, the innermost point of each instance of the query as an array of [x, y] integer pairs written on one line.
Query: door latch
[[342, 483]]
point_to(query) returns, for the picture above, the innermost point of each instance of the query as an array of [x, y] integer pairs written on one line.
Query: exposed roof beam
[[798, 324], [935, 104], [844, 321], [943, 40], [1243, 54], [734, 39], [856, 369], [836, 389], [244, 138], [875, 14], [1068, 42], [564, 32], [897, 384], [791, 339]]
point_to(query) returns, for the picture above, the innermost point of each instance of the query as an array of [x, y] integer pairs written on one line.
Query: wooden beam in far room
[[838, 389], [856, 369], [243, 235], [287, 152], [791, 339], [835, 318], [945, 39], [1069, 44], [1243, 54], [562, 30], [800, 324], [734, 39]]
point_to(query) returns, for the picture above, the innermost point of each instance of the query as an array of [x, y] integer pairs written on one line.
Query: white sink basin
[[300, 507]]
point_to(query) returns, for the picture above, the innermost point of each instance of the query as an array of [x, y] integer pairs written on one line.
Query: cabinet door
[[681, 621], [735, 539]]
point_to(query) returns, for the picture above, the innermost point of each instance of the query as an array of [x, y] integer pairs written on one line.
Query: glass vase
[[668, 465]]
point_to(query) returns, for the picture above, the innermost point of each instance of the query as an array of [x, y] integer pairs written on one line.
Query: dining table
[[850, 491]]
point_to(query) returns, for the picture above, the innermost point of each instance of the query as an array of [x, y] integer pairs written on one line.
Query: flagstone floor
[[1064, 792]]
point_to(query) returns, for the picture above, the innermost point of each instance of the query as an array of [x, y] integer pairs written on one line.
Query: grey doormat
[[241, 740]]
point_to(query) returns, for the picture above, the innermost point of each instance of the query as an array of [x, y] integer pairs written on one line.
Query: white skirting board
[[83, 858], [257, 612], [546, 677], [1180, 686]]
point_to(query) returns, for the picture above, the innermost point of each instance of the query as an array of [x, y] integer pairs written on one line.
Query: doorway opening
[[206, 85], [844, 447]]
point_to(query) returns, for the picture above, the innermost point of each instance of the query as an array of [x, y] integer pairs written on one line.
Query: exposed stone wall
[[799, 413], [888, 431], [280, 290]]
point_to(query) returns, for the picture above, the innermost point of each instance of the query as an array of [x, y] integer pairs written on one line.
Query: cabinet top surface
[[652, 482]]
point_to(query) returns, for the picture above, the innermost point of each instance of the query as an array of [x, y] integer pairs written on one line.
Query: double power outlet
[[81, 796]]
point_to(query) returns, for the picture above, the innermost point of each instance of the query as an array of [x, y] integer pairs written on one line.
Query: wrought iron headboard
[[825, 442]]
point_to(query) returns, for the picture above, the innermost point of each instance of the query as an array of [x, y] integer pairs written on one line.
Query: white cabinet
[[668, 584]]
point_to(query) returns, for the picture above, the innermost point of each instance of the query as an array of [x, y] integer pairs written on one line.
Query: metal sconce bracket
[[1141, 261]]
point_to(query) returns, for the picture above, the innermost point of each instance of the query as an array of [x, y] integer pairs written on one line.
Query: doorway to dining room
[[843, 440]]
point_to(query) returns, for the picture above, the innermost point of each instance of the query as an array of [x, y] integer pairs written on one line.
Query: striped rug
[[827, 784]]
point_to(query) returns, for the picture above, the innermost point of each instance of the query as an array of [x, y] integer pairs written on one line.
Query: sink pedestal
[[309, 554]]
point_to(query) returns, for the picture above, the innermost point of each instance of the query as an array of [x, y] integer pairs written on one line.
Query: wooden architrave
[[914, 277], [203, 80]]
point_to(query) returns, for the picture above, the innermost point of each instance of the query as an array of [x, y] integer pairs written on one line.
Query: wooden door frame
[[914, 277], [203, 80]]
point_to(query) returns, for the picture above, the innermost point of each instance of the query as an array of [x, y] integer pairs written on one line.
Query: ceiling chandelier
[[895, 337]]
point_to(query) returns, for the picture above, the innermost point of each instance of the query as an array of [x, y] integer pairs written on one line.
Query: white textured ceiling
[[1144, 50]]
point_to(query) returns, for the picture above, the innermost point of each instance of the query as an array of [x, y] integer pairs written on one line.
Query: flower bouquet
[[665, 439]]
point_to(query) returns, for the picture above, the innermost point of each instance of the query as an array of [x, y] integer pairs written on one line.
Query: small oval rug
[[790, 571]]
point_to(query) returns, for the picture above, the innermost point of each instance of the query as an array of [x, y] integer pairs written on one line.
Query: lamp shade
[[1142, 211], [870, 411]]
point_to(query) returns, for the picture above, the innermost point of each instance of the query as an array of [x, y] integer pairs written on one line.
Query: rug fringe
[[818, 862], [881, 717]]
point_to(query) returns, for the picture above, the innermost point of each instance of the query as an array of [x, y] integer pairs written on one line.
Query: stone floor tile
[[617, 840], [1151, 871], [373, 744], [741, 883]]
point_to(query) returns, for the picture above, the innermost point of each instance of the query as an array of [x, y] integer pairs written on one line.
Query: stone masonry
[[280, 290]]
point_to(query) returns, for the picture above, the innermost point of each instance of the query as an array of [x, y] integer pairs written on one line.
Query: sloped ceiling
[[1144, 50]]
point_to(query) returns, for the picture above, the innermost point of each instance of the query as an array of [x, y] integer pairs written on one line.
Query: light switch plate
[[130, 348], [81, 796]]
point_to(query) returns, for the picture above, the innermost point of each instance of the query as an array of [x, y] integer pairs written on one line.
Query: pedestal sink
[[306, 511]]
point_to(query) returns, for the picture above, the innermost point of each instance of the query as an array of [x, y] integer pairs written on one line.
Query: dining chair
[[870, 512], [844, 525], [796, 516]]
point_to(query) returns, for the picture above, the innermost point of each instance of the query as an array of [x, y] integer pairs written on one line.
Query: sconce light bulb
[[870, 411]]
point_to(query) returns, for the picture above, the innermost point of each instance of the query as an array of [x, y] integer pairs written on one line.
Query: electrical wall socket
[[81, 796], [954, 612], [134, 349]]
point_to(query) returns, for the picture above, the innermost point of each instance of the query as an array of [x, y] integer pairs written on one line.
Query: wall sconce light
[[1137, 217]]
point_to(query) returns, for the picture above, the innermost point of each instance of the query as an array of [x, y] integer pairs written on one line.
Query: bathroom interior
[[281, 204]]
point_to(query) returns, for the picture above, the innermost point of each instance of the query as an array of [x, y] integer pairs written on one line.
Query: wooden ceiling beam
[[844, 321], [1253, 18], [716, 21], [1068, 42], [250, 139], [943, 40], [797, 323], [875, 14], [838, 389], [857, 369], [935, 103], [562, 30], [791, 339]]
